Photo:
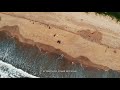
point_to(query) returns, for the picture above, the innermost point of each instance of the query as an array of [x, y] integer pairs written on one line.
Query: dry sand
[[75, 33]]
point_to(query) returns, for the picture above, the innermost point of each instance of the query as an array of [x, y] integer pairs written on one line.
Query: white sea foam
[[9, 71]]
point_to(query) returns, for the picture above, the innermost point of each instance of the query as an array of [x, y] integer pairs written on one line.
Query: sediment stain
[[95, 36], [87, 62]]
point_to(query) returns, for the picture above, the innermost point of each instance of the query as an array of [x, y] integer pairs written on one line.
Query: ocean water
[[9, 71]]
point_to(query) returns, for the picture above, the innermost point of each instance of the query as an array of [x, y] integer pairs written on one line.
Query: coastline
[[47, 63], [71, 23]]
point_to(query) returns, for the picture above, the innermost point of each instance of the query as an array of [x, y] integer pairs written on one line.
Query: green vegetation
[[113, 15]]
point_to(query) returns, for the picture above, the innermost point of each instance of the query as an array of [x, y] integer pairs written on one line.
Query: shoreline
[[87, 46], [20, 56], [50, 50]]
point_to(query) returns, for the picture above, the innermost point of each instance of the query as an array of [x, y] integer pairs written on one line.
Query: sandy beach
[[90, 39]]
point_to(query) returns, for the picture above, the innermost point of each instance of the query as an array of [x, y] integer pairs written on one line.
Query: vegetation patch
[[113, 15]]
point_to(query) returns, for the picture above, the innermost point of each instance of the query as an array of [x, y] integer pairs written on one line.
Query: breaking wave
[[9, 71]]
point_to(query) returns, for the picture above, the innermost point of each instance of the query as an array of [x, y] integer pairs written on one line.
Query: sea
[[9, 71]]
